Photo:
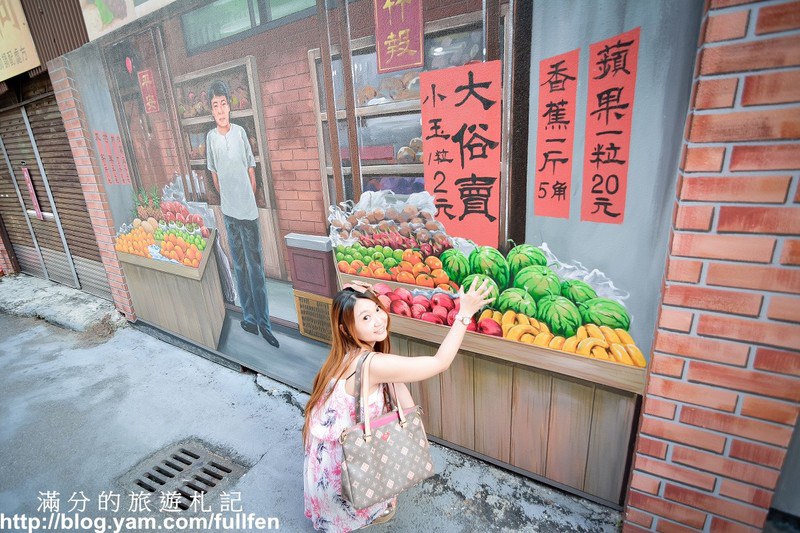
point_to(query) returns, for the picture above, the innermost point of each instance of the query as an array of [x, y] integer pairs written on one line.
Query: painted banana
[[522, 319], [497, 316], [585, 346], [543, 338], [610, 335], [636, 355], [581, 334], [516, 332], [487, 313], [509, 317], [620, 355], [594, 331], [556, 342], [527, 338], [570, 345], [599, 352], [624, 336]]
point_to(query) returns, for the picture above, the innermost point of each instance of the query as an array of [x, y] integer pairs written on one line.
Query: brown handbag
[[386, 455]]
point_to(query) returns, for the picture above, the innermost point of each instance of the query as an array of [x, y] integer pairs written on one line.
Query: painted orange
[[440, 277], [434, 262], [424, 280], [421, 268]]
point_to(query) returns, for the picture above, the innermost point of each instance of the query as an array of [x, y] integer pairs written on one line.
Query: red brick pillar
[[6, 266], [80, 141], [724, 383]]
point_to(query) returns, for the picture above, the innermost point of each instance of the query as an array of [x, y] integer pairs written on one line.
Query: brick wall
[[724, 381], [5, 261], [80, 139]]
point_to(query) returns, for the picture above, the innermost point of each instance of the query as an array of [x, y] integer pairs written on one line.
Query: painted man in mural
[[233, 169]]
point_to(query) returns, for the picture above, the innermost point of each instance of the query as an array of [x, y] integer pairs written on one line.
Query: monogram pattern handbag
[[384, 456]]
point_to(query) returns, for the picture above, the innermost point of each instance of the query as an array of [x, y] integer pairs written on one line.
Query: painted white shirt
[[230, 156]]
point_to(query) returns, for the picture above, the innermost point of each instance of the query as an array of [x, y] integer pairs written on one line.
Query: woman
[[360, 324]]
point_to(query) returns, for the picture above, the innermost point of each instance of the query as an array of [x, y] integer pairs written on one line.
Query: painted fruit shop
[[416, 146]]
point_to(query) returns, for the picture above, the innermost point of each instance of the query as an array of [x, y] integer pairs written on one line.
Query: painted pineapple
[[148, 205]]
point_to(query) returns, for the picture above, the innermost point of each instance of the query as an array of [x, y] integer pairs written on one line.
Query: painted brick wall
[[288, 104], [80, 140], [724, 381]]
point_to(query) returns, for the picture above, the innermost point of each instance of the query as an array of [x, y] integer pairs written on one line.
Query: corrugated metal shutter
[[28, 259], [52, 144], [51, 139], [56, 28]]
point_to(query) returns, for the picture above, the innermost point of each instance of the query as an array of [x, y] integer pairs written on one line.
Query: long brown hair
[[344, 341]]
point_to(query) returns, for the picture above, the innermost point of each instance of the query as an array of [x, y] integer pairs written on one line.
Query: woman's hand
[[475, 297]]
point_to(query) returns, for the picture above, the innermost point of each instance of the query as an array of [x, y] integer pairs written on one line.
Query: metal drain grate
[[185, 468]]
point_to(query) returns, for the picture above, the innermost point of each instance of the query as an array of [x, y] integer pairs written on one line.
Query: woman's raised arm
[[389, 368]]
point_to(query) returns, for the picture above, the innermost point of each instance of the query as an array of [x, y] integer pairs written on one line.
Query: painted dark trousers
[[248, 269]]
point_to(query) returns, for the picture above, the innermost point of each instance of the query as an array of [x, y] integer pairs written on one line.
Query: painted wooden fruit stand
[[562, 418], [183, 300]]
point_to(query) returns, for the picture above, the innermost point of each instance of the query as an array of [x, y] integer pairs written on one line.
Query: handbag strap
[[362, 394]]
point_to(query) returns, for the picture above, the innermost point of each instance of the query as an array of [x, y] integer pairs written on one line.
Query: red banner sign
[[612, 84], [461, 129], [112, 158], [34, 200], [398, 34], [147, 85], [558, 83]]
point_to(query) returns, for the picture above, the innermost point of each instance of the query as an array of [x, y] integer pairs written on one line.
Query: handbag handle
[[362, 396]]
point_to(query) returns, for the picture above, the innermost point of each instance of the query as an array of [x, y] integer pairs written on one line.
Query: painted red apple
[[440, 311], [451, 317], [417, 310], [423, 301], [487, 326], [381, 288], [404, 295], [432, 317], [385, 300], [443, 300], [400, 307]]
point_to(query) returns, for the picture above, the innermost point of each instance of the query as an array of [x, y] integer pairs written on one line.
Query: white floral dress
[[322, 467]]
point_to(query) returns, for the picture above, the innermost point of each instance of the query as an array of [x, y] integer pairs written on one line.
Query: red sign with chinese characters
[[34, 200], [398, 34], [112, 158], [461, 130], [609, 110], [558, 83], [147, 84]]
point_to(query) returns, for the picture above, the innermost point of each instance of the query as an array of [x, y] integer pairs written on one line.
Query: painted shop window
[[388, 106], [202, 30]]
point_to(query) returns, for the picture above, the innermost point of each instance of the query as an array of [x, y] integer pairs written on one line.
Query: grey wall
[[90, 79], [631, 254]]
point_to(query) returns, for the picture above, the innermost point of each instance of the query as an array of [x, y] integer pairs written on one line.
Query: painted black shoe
[[249, 327], [269, 337]]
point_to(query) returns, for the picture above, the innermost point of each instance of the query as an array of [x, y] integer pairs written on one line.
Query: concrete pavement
[[79, 410]]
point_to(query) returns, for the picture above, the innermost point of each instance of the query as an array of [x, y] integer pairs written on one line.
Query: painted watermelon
[[455, 263], [560, 315], [605, 312], [524, 255], [578, 291], [494, 293], [517, 300], [489, 261], [538, 281]]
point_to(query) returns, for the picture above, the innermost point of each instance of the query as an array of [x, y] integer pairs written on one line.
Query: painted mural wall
[[617, 167]]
